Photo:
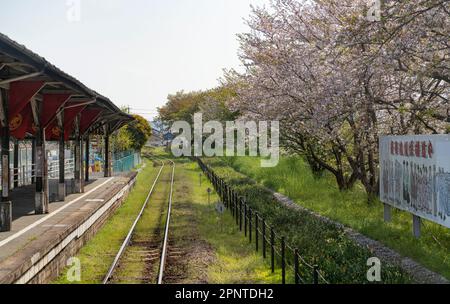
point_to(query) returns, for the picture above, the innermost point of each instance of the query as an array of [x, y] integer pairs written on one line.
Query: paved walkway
[[33, 235]]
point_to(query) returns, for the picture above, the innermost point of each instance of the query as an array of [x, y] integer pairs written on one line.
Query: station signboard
[[415, 175]]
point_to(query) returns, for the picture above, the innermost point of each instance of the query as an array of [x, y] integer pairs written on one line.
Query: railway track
[[153, 248]]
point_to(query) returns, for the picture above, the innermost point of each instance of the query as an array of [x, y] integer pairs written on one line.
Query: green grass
[[293, 178], [339, 258], [236, 261], [97, 256], [133, 268]]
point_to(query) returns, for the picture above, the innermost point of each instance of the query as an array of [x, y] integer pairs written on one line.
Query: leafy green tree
[[132, 136], [139, 131], [121, 140]]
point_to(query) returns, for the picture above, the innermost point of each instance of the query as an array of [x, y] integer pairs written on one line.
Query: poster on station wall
[[415, 175]]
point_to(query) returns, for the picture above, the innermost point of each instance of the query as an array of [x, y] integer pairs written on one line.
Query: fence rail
[[264, 235], [126, 161]]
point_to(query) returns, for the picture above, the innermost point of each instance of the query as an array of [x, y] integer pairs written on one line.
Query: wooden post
[[81, 166], [417, 222], [5, 204], [387, 213], [40, 168], [86, 165], [107, 165], [33, 161], [78, 158], [77, 166], [16, 164], [62, 161]]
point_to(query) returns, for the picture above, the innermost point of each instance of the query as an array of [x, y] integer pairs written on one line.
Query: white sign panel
[[415, 175]]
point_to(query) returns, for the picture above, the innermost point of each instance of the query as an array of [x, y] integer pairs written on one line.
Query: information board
[[415, 175]]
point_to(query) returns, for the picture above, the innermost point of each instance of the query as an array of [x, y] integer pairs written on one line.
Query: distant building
[[157, 139], [161, 136]]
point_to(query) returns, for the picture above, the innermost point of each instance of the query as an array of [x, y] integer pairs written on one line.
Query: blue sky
[[138, 51]]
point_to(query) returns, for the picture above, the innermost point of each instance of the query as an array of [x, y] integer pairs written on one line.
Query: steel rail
[[130, 233], [166, 232]]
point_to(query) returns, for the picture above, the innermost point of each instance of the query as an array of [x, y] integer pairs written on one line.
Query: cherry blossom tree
[[337, 81]]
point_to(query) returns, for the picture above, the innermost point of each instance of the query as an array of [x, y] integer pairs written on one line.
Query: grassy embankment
[[233, 259], [293, 178], [339, 259], [96, 257]]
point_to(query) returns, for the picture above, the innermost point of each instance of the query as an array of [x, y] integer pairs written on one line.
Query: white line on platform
[[35, 224], [55, 226]]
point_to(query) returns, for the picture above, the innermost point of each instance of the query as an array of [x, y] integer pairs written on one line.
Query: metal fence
[[126, 161], [24, 174], [266, 239]]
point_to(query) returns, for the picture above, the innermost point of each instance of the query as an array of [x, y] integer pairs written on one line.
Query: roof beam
[[80, 104], [23, 77]]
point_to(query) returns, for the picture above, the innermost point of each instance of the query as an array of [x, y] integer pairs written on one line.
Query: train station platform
[[38, 246]]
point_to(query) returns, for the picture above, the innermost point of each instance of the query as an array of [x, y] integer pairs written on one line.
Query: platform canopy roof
[[22, 70]]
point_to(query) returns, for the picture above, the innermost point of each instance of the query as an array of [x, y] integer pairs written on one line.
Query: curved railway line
[[155, 249]]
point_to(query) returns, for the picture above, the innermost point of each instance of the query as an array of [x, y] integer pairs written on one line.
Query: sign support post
[[417, 223], [387, 213]]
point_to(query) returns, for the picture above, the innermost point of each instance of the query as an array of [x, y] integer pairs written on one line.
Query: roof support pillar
[[86, 157], [78, 173], [16, 164], [33, 161], [5, 203], [107, 164], [40, 163], [62, 160]]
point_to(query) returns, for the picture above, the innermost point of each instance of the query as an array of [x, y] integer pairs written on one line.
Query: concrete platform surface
[[37, 239]]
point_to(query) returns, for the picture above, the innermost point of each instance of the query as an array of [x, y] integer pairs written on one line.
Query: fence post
[[272, 249], [230, 201], [283, 260], [264, 238], [316, 274], [225, 189], [236, 208], [256, 232], [250, 230], [296, 267], [241, 203], [245, 219]]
